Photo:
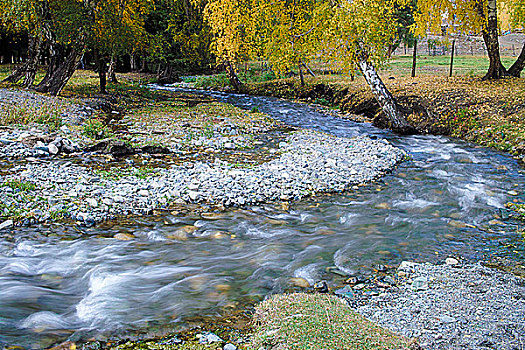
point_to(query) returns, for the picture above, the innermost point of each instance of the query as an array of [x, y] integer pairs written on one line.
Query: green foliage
[[322, 101], [518, 210], [95, 129], [19, 185], [144, 173], [115, 174], [213, 81]]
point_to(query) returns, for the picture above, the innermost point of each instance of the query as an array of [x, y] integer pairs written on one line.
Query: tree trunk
[[301, 76], [311, 72], [29, 68], [133, 63], [395, 116], [414, 59], [102, 74], [61, 75], [111, 71], [234, 79], [518, 66], [144, 65], [452, 58], [490, 37]]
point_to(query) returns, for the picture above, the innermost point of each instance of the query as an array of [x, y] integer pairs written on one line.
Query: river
[[60, 282]]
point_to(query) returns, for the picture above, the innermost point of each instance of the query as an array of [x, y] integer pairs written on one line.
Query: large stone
[[6, 224], [208, 338], [124, 236], [451, 261], [300, 282], [53, 149], [420, 283]]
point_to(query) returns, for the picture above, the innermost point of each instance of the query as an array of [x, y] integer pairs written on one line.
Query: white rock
[[52, 148], [143, 193], [193, 195], [23, 135], [235, 172], [119, 199], [6, 224], [451, 261], [92, 202], [209, 338], [193, 186]]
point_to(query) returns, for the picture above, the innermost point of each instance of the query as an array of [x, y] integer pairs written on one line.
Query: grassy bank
[[489, 113]]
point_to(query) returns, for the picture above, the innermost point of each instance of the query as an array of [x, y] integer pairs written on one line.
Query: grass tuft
[[312, 321]]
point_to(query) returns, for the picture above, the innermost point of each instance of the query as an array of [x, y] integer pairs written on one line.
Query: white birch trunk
[[385, 99]]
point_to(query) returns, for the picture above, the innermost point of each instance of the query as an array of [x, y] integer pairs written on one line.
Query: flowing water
[[68, 282]]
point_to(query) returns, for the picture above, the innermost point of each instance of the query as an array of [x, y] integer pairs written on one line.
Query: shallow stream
[[446, 201]]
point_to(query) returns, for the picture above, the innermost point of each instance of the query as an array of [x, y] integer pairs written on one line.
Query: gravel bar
[[454, 306], [309, 162]]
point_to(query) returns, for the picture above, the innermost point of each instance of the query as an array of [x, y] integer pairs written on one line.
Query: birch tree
[[358, 35], [472, 16]]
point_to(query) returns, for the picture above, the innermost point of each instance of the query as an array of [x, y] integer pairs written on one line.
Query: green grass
[[439, 65], [155, 345], [23, 114], [313, 321], [215, 81], [19, 185], [95, 129], [518, 210], [115, 174]]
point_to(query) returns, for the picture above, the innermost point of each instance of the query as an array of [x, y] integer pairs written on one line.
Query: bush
[[95, 129]]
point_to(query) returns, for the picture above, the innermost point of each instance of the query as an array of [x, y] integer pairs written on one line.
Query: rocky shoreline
[[452, 306], [42, 186]]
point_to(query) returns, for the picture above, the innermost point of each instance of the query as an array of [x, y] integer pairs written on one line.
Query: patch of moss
[[518, 210]]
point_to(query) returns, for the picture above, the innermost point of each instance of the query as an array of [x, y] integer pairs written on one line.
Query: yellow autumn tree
[[24, 16], [286, 32], [358, 34], [472, 16], [232, 31], [118, 27]]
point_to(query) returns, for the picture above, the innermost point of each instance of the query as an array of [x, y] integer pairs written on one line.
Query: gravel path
[[454, 307]]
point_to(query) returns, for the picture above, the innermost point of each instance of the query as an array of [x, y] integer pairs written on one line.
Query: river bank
[[452, 305], [166, 153], [488, 113]]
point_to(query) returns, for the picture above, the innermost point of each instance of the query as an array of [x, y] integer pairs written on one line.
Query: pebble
[[306, 162], [209, 338], [451, 261], [420, 283], [300, 282], [52, 149], [229, 346], [143, 193], [346, 292], [92, 202], [124, 236]]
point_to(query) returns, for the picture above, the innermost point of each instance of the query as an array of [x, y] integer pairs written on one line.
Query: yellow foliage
[[288, 33]]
